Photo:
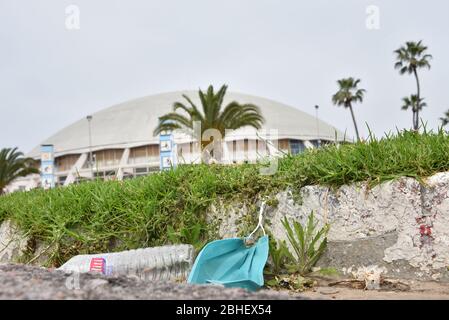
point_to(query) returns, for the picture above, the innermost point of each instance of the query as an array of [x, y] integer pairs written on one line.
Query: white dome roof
[[132, 123]]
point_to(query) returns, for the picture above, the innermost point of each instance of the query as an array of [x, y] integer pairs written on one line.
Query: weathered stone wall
[[13, 242], [401, 224]]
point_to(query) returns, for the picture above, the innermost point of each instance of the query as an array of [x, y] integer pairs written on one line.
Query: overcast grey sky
[[291, 51]]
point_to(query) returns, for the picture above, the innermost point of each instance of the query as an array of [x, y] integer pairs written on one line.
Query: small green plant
[[289, 271], [192, 235], [279, 257], [307, 243]]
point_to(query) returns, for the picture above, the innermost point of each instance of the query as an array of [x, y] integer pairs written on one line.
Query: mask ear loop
[[259, 224]]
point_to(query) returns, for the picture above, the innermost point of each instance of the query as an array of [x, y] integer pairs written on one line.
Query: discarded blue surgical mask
[[232, 262]]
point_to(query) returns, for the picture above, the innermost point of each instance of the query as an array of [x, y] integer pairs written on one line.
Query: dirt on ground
[[338, 288], [419, 291], [29, 282]]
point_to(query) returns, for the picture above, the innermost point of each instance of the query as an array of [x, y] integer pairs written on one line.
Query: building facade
[[122, 145]]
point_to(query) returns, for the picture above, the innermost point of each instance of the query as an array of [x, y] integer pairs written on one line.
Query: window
[[144, 154], [245, 145], [316, 143], [296, 146], [105, 158], [261, 149], [283, 145], [65, 163], [127, 176], [140, 170]]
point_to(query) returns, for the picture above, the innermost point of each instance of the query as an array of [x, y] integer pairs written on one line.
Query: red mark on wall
[[425, 230]]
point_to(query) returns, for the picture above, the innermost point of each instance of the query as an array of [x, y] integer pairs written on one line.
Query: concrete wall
[[399, 224]]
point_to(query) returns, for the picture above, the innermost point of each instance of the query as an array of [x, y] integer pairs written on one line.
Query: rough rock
[[13, 242], [401, 224], [424, 237], [226, 218], [30, 282]]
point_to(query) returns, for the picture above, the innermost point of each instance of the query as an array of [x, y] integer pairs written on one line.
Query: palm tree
[[414, 103], [347, 94], [445, 119], [13, 165], [233, 116], [409, 59]]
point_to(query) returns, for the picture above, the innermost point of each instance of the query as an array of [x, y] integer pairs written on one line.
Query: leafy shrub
[[289, 271]]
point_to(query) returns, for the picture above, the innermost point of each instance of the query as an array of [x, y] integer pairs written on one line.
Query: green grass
[[170, 206], [329, 272]]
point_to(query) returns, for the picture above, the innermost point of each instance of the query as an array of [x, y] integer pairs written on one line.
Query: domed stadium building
[[121, 142]]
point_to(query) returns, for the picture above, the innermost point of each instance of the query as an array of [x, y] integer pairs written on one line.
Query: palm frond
[[14, 165], [445, 120], [348, 92], [412, 56], [234, 115]]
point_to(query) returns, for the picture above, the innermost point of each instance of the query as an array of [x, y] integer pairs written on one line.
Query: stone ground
[[28, 282]]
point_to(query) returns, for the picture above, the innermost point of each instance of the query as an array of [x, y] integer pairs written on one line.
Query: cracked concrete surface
[[401, 224]]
